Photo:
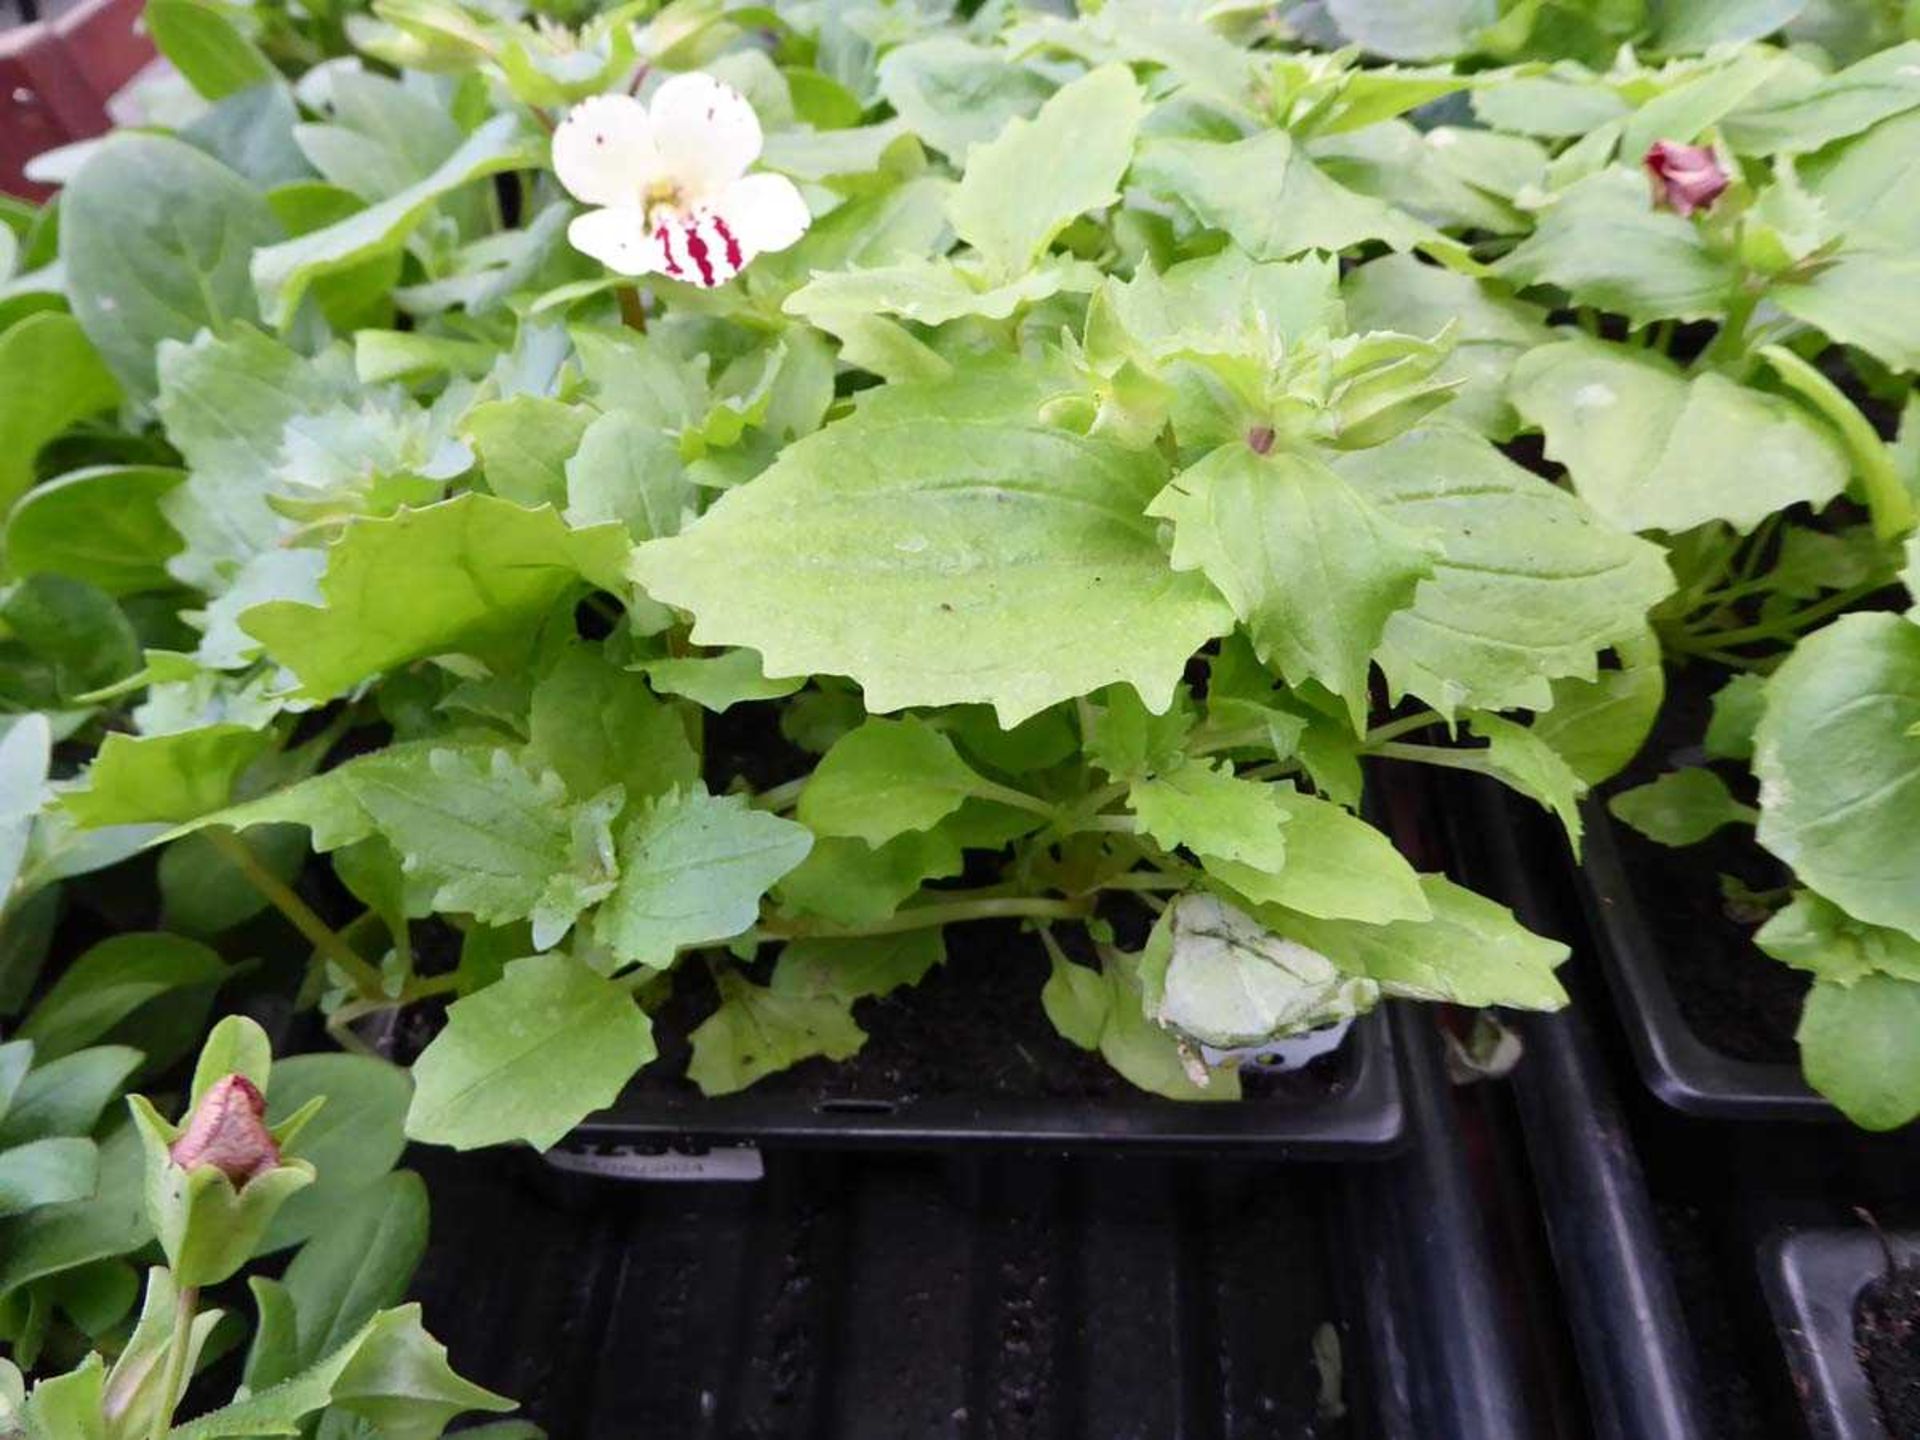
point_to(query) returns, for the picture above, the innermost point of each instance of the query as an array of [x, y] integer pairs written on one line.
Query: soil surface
[[1886, 1330], [973, 1027], [1739, 1001]]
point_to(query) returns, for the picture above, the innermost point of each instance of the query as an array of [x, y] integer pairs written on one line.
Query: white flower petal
[[700, 251], [706, 132], [618, 238], [604, 152], [763, 213]]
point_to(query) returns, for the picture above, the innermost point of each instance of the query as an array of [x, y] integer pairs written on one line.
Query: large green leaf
[[496, 841], [883, 779], [954, 94], [1838, 756], [46, 1172], [156, 240], [1530, 585], [284, 272], [207, 47], [1438, 30], [103, 525], [1208, 809], [476, 575], [1311, 567], [1868, 297], [596, 725], [1682, 807], [67, 1096], [1651, 449], [1471, 951], [693, 867], [1081, 140], [361, 1260], [1603, 242], [50, 376], [111, 981], [1860, 1047], [147, 778], [352, 1142], [1338, 867], [112, 1221], [1810, 115], [758, 1030], [528, 1057], [1272, 199], [939, 546], [1490, 331]]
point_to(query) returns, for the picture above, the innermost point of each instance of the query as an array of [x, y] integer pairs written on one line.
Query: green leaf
[[50, 376], [719, 682], [1471, 952], [1817, 936], [46, 1172], [596, 725], [1681, 807], [1807, 117], [80, 635], [113, 1221], [1603, 242], [1651, 449], [477, 575], [954, 94], [524, 443], [284, 272], [1081, 140], [103, 525], [1437, 30], [757, 1031], [883, 779], [692, 870], [1274, 201], [1490, 332], [1865, 297], [360, 1262], [236, 1046], [1126, 739], [155, 238], [850, 970], [1230, 983], [1838, 758], [1860, 1047], [353, 1141], [1338, 867], [67, 1096], [392, 1375], [1208, 809], [70, 1406], [111, 981], [1530, 765], [1737, 707], [853, 883], [207, 48], [954, 550], [16, 1056], [1529, 586], [1597, 726], [627, 469], [528, 1057], [136, 778], [1313, 569], [496, 841], [927, 292], [203, 893]]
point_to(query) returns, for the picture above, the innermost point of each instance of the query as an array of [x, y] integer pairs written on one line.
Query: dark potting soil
[[1735, 998], [973, 1027], [1886, 1332]]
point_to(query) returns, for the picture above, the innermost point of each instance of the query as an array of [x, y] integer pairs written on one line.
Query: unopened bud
[[1685, 178], [228, 1130]]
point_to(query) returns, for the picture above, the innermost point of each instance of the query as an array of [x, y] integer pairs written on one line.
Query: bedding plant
[[517, 516]]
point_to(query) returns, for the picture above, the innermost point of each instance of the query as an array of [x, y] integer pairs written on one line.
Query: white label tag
[[726, 1162]]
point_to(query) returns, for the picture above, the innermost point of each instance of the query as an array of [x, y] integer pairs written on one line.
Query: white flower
[[672, 183]]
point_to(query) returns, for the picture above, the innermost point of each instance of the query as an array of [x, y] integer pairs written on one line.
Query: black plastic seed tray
[[1814, 1281], [1678, 1066], [902, 1295]]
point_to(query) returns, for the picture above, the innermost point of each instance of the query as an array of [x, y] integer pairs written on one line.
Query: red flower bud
[[1686, 178], [228, 1131]]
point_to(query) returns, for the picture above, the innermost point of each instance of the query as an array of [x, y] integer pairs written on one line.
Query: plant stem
[[1786, 626], [1019, 799], [1441, 755], [297, 912], [922, 917], [179, 1348], [1887, 497], [1394, 729], [780, 797]]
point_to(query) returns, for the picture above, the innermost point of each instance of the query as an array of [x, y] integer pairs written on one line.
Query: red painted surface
[[56, 77]]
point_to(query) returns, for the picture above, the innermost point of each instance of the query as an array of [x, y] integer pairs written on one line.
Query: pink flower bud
[[1686, 178], [229, 1132]]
